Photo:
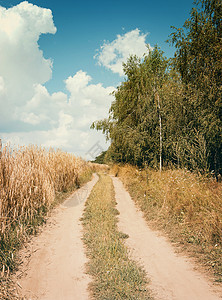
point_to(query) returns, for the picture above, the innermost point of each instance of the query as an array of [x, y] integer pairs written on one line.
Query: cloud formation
[[22, 64], [113, 54], [56, 120], [28, 112]]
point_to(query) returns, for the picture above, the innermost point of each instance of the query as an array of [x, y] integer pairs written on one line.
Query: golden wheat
[[29, 179]]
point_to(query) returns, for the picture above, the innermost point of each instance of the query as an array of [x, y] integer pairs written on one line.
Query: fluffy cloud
[[77, 82], [22, 64], [42, 110], [112, 55], [62, 122], [28, 112], [91, 101]]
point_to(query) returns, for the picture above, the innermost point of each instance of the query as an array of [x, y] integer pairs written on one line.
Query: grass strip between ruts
[[114, 275]]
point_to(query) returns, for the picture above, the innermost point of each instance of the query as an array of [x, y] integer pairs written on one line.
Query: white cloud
[[22, 64], [28, 112], [72, 140], [88, 102], [2, 85], [77, 82], [42, 109], [21, 61], [56, 121], [112, 55]]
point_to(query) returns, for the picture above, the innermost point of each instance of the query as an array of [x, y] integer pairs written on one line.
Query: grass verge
[[187, 206], [115, 276]]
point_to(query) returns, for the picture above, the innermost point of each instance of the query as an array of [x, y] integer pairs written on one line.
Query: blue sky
[[78, 40], [82, 27]]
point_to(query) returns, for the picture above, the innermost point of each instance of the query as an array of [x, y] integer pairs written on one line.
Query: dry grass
[[31, 179], [115, 276], [186, 205]]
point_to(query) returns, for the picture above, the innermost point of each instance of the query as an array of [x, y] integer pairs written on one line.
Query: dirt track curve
[[54, 262]]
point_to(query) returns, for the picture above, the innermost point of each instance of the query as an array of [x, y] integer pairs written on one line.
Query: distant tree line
[[169, 112]]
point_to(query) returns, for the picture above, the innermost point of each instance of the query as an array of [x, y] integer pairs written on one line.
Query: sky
[[61, 60]]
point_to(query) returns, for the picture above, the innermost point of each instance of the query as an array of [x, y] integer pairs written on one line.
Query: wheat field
[[30, 179]]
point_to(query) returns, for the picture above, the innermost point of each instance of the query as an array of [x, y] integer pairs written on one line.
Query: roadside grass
[[115, 276], [187, 206], [8, 290], [32, 182]]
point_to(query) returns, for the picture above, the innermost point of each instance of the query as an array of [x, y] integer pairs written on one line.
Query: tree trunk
[[160, 124]]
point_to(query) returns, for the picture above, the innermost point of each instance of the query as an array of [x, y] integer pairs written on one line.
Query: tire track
[[54, 267], [172, 276]]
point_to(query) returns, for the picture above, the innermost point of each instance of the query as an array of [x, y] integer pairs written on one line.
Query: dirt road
[[172, 276], [55, 260]]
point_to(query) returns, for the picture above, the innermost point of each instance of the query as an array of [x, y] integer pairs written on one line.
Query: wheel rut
[[172, 275]]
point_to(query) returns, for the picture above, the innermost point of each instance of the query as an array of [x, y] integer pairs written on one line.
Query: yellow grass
[[188, 206], [30, 178]]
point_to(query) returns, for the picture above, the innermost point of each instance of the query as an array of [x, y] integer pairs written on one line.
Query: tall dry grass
[[30, 179], [187, 205]]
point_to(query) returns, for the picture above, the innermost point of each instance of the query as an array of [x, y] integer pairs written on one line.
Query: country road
[[172, 276], [54, 261]]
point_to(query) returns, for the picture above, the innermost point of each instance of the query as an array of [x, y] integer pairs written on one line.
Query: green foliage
[[141, 102], [133, 122], [199, 59], [100, 158], [170, 111]]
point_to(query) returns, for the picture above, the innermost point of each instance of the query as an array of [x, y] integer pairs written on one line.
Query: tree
[[135, 121], [198, 58], [157, 65], [171, 112]]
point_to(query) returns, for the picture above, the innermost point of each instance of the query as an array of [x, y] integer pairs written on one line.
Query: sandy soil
[[54, 262], [173, 277]]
